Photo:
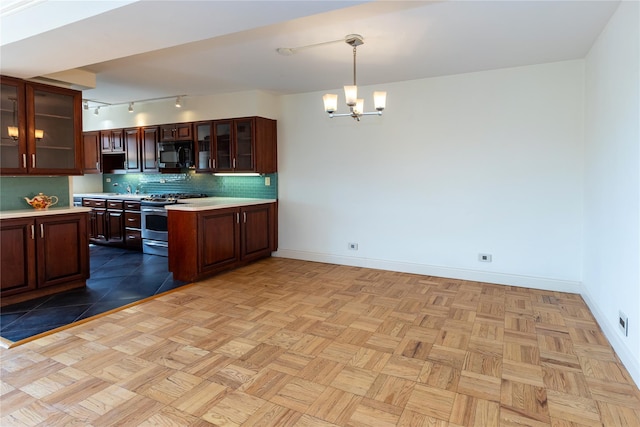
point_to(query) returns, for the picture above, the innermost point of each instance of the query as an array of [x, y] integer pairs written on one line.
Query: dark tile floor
[[118, 277]]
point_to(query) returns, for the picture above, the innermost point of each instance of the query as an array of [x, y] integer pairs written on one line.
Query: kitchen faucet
[[128, 189]]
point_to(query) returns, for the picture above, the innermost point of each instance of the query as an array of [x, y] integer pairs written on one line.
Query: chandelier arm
[[354, 65]]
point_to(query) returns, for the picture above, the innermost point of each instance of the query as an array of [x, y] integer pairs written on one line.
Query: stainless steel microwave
[[175, 155]]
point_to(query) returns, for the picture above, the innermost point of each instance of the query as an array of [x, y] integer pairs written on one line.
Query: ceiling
[[151, 49]]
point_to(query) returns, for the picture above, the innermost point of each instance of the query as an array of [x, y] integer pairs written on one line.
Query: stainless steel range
[[155, 235]]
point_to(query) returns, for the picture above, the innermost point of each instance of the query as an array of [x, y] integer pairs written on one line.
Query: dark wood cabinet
[[18, 256], [91, 152], [112, 141], [245, 145], [257, 235], [176, 132], [43, 255], [203, 243], [204, 147], [115, 222], [106, 221], [43, 134], [219, 245], [132, 161], [150, 149], [132, 224]]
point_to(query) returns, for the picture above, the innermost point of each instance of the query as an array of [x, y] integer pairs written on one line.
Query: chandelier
[[355, 104]]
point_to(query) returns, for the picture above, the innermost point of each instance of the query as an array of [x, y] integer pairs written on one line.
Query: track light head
[[131, 107], [96, 111], [179, 102]]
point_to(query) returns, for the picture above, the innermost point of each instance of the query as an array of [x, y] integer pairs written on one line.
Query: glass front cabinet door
[[205, 161], [49, 140], [13, 141]]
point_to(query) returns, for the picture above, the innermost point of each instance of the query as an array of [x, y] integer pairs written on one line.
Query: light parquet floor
[[293, 343]]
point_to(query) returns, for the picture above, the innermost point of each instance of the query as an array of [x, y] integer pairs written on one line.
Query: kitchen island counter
[[208, 203], [28, 213]]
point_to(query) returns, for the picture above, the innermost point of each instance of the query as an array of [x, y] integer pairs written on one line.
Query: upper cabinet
[[41, 129], [205, 160], [112, 141], [245, 145], [176, 132], [91, 152]]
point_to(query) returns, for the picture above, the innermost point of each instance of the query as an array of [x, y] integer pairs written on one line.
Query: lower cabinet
[[202, 243], [132, 225], [106, 221], [43, 255]]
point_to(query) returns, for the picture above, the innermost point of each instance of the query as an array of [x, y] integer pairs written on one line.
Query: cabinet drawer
[[114, 204], [94, 203], [133, 238], [132, 220], [132, 206]]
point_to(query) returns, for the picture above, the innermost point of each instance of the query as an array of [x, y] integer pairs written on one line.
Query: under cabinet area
[[205, 242], [42, 255]]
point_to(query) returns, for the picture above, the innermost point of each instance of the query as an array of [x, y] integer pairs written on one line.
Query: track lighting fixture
[[96, 111], [91, 103]]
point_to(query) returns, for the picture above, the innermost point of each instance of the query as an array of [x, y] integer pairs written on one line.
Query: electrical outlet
[[108, 179], [267, 181], [623, 323], [484, 257], [353, 246]]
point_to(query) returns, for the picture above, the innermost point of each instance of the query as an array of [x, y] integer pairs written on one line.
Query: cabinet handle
[[238, 218], [42, 231], [33, 160], [33, 232], [244, 217], [24, 161], [98, 165], [234, 163], [214, 163]]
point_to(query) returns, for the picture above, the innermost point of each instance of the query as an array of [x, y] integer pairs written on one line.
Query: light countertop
[[29, 213], [208, 203], [118, 196]]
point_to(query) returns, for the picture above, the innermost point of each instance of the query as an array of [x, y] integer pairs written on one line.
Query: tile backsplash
[[211, 185]]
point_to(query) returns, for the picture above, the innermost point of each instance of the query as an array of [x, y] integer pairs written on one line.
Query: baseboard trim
[[615, 339], [434, 270]]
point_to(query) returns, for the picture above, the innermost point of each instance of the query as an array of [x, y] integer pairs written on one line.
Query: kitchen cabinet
[[202, 243], [132, 150], [106, 221], [42, 255], [46, 129], [204, 147], [245, 145], [176, 132], [97, 230], [149, 150], [91, 150], [112, 141], [114, 220], [132, 224]]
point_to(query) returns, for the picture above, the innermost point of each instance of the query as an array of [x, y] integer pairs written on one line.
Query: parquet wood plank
[[295, 343]]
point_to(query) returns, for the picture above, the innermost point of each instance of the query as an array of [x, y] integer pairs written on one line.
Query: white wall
[[485, 162], [194, 108], [612, 182]]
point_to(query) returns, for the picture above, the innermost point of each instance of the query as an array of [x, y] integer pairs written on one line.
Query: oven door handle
[[155, 210], [156, 243]]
